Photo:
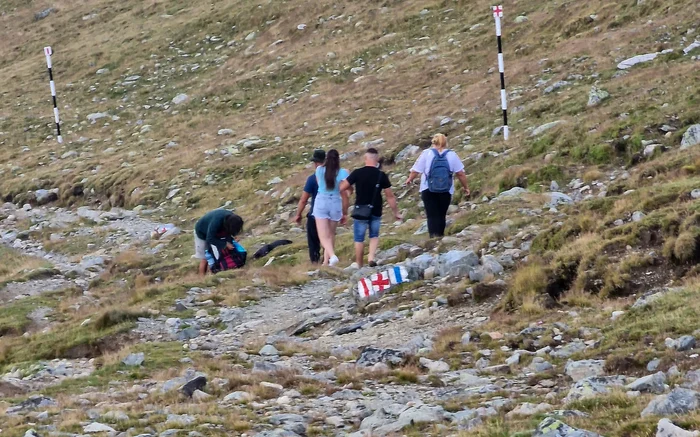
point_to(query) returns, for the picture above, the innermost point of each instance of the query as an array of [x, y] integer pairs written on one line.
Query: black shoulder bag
[[364, 212]]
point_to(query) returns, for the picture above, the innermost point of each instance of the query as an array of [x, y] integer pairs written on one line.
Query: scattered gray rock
[[44, 197], [238, 397], [457, 263], [545, 127], [555, 86], [593, 386], [313, 322], [43, 14], [649, 384], [371, 356], [528, 409], [269, 351], [684, 343], [578, 370], [639, 59], [357, 136], [513, 192], [597, 96], [180, 99], [92, 118], [679, 401], [96, 427], [691, 137], [134, 360], [569, 349], [191, 386], [434, 366], [407, 152], [551, 427], [666, 428]]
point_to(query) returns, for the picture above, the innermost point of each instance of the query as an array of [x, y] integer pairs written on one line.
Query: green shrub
[[600, 154], [686, 246]]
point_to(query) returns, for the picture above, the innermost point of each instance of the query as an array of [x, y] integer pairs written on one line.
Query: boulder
[[655, 383], [691, 137], [180, 98], [679, 401], [596, 96], [371, 356], [512, 193], [639, 59], [456, 263], [357, 136], [545, 127], [134, 360], [96, 427], [407, 152], [666, 428], [417, 266], [46, 196], [593, 386], [191, 386], [528, 409], [434, 366], [578, 370], [268, 351], [552, 427]]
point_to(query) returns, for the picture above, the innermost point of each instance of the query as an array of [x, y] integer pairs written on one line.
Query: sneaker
[[333, 261], [373, 264], [354, 266]]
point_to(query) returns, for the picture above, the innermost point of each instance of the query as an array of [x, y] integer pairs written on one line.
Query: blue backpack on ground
[[440, 176]]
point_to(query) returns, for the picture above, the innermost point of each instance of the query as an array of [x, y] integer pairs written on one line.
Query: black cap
[[319, 156]]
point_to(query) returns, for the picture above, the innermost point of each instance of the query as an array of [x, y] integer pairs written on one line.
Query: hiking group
[[329, 189]]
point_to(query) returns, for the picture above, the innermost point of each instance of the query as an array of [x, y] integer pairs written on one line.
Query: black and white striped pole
[[498, 14], [48, 52]]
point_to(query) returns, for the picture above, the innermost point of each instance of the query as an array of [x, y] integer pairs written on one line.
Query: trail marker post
[[48, 52], [497, 15]]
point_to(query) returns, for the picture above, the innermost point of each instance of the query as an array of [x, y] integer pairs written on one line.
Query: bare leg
[[332, 227], [322, 226], [359, 253], [373, 245], [203, 267]]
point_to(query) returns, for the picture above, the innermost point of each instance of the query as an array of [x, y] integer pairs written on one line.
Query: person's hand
[[398, 216], [229, 246], [297, 218], [467, 192], [344, 219]]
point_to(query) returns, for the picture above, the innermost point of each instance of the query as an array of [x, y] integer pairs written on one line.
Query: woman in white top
[[437, 189]]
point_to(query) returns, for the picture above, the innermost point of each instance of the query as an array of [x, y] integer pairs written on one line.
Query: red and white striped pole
[[48, 52], [498, 14]]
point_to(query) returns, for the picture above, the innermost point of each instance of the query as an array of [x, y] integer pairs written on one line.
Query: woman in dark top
[[211, 229]]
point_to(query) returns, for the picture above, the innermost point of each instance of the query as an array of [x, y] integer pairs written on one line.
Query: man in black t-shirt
[[369, 182]]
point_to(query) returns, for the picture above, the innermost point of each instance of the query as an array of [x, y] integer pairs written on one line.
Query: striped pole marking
[[48, 52], [498, 14]]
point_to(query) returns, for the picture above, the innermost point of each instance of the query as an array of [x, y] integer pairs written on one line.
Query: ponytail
[[332, 168]]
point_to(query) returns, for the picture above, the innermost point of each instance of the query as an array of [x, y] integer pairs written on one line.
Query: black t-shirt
[[365, 181]]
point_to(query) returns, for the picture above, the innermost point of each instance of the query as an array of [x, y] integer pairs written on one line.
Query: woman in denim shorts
[[331, 205]]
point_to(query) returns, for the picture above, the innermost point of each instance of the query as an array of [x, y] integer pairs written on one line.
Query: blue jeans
[[360, 228]]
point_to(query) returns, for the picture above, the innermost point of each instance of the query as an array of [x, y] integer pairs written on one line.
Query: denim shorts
[[360, 228], [328, 206]]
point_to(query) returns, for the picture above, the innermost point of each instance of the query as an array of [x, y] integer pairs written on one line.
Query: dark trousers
[[436, 205], [313, 241]]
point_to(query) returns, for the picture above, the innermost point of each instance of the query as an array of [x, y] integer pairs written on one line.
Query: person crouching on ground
[[437, 167], [369, 181], [310, 191], [212, 229], [331, 206]]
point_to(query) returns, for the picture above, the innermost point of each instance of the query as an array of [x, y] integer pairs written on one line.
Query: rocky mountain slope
[[562, 303]]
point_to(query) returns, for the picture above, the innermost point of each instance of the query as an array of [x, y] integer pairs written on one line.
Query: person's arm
[[463, 180], [391, 200], [214, 227], [345, 196], [411, 177], [345, 185], [302, 204], [417, 169]]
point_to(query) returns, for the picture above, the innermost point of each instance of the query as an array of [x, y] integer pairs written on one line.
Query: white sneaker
[[354, 266], [333, 261]]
